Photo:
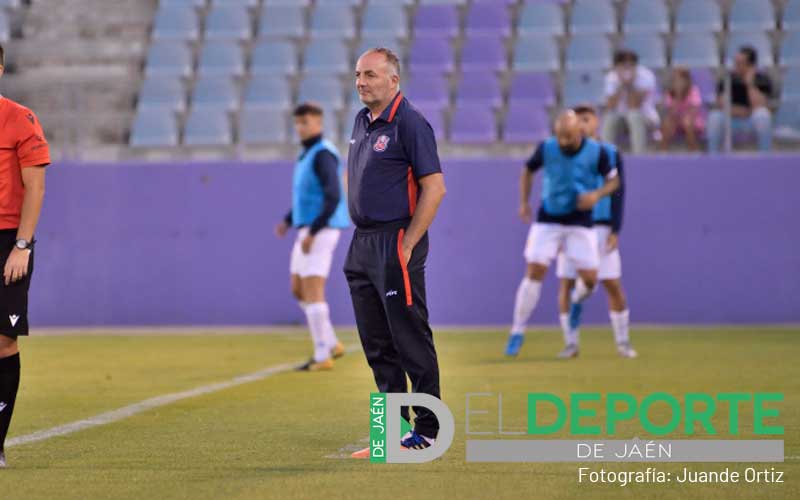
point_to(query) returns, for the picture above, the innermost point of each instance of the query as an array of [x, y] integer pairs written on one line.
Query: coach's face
[[376, 81]]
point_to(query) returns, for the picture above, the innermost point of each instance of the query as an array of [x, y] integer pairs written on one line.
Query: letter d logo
[[394, 454]]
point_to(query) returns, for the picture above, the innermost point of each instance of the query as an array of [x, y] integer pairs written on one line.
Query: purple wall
[[705, 240]]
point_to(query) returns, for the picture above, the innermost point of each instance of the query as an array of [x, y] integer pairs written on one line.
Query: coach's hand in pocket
[[16, 265]]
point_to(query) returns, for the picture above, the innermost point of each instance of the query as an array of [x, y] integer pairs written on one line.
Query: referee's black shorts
[[14, 296]]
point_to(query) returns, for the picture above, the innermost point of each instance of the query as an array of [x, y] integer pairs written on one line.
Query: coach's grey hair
[[390, 56]]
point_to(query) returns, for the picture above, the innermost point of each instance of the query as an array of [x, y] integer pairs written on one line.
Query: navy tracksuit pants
[[392, 316]]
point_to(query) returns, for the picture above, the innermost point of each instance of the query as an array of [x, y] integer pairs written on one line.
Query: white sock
[[619, 323], [329, 332], [581, 292], [525, 303], [571, 336], [317, 315]]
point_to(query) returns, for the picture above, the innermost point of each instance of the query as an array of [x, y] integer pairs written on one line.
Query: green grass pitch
[[285, 436]]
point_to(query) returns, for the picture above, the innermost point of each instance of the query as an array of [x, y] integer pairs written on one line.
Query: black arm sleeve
[[536, 161], [604, 165], [327, 169], [618, 198], [288, 218]]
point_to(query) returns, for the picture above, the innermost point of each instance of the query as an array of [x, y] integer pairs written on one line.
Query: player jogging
[[23, 154], [607, 217], [571, 165], [319, 212]]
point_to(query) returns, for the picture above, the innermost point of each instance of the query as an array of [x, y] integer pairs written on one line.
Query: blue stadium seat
[[650, 48], [695, 50], [758, 41], [176, 23], [541, 18], [228, 22], [790, 86], [297, 3], [330, 126], [786, 123], [790, 49], [273, 57], [791, 15], [268, 92], [535, 53], [593, 17], [221, 57], [367, 43], [751, 15], [325, 90], [588, 52], [702, 16], [184, 3], [646, 16], [163, 93], [385, 20], [442, 2], [154, 128], [326, 56], [280, 21], [333, 21], [169, 58], [216, 92], [583, 87], [5, 27], [208, 126], [340, 3], [262, 126], [246, 3]]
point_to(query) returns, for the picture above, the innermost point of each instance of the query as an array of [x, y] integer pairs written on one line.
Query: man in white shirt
[[630, 97]]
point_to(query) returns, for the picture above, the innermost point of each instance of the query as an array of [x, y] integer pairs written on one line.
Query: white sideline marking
[[148, 404]]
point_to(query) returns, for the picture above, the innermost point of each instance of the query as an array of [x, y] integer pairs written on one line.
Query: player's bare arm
[[525, 185], [588, 200], [17, 264], [432, 190]]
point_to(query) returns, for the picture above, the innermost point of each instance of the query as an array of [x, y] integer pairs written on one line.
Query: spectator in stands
[[630, 97], [683, 110], [751, 91]]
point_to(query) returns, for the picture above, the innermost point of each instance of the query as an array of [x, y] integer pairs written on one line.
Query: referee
[[23, 153], [395, 187]]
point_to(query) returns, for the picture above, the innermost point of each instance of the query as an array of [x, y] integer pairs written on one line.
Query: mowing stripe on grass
[[148, 404]]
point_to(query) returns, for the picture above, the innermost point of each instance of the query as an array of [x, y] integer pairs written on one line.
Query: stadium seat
[[435, 119], [593, 17], [154, 128], [646, 16], [268, 92], [526, 124], [298, 3], [331, 126], [428, 90], [162, 92], [786, 122], [541, 18], [340, 3], [483, 53], [228, 22], [436, 20], [333, 21], [225, 3], [790, 49], [372, 42], [221, 57], [208, 127], [183, 3], [176, 23], [479, 88], [216, 92], [488, 19], [384, 20], [695, 50], [473, 125], [280, 21], [431, 54], [326, 90], [535, 53], [5, 27], [702, 16], [790, 86], [326, 56], [791, 15], [273, 57], [583, 87], [758, 40], [527, 88], [440, 2], [650, 48], [169, 58], [588, 52], [751, 15], [706, 82]]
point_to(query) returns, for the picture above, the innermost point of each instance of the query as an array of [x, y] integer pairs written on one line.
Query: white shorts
[[317, 262], [610, 267], [545, 240]]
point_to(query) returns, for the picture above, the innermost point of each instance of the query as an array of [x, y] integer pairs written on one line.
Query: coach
[[395, 187], [23, 151]]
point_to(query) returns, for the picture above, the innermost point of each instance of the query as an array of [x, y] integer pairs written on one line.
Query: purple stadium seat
[[479, 88], [438, 20], [706, 81], [527, 88], [483, 53], [431, 54], [435, 118], [427, 90], [488, 19], [473, 125], [526, 124]]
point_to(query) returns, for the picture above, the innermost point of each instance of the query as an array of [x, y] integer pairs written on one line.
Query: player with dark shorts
[[23, 153]]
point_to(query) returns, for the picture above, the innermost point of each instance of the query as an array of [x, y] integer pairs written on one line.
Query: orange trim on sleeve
[[412, 192], [404, 268]]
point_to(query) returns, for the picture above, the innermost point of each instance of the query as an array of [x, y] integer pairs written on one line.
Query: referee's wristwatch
[[24, 244]]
